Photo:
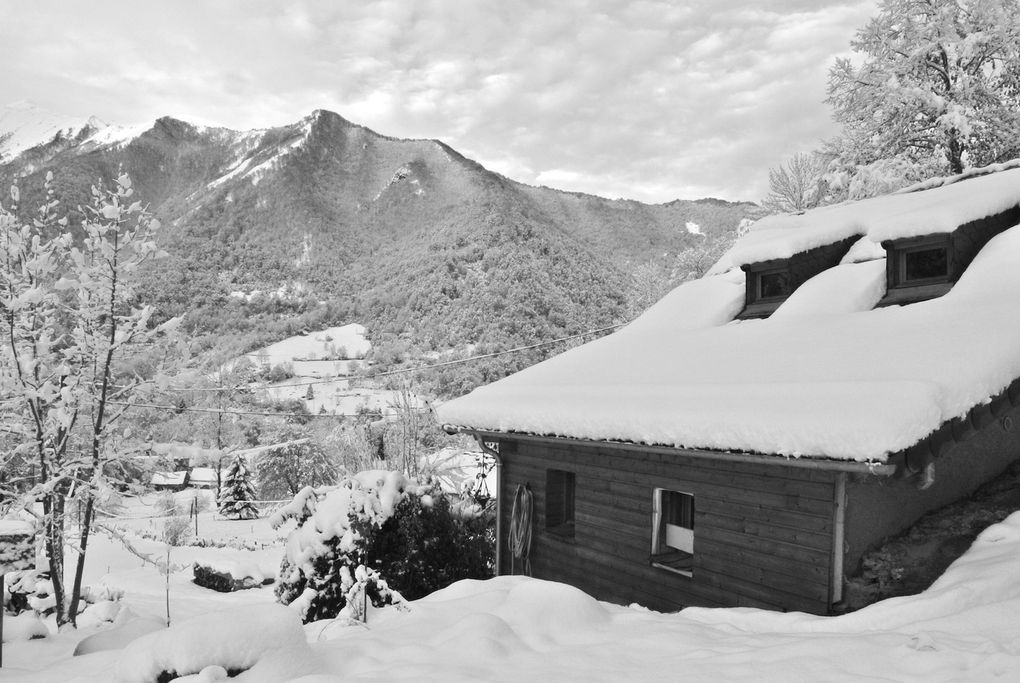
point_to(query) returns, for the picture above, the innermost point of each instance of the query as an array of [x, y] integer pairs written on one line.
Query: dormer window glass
[[924, 263], [774, 284]]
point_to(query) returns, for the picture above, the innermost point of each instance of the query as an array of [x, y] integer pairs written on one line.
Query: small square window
[[774, 284], [559, 502], [926, 263], [673, 531]]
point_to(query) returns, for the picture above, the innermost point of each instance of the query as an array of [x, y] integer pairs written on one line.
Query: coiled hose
[[520, 528]]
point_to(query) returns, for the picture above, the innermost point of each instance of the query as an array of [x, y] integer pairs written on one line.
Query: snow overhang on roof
[[920, 210], [841, 381]]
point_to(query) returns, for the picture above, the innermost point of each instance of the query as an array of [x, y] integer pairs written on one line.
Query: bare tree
[[797, 185]]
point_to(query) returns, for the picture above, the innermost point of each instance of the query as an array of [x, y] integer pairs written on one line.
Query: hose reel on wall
[[519, 535]]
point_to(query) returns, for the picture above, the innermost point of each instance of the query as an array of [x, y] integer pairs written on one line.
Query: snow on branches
[[935, 85]]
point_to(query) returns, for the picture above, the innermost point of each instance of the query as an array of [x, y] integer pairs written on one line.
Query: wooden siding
[[762, 534]]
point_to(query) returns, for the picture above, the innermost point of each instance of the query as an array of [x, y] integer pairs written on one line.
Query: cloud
[[646, 99]]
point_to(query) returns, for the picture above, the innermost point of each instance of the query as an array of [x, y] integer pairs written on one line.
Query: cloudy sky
[[644, 99]]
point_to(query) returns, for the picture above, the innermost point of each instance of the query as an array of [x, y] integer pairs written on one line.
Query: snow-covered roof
[[827, 375], [941, 209], [202, 475], [168, 478]]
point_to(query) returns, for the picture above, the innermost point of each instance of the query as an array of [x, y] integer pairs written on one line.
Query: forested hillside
[[269, 232]]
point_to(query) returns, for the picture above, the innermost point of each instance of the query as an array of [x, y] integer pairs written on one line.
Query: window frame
[[760, 274], [901, 264], [560, 502], [899, 289], [678, 558]]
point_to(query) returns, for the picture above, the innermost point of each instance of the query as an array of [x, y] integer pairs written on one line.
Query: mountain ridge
[[332, 222]]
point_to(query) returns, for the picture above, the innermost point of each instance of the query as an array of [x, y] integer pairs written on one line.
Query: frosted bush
[[378, 535]]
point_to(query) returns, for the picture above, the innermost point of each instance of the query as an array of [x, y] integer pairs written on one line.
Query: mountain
[[326, 222]]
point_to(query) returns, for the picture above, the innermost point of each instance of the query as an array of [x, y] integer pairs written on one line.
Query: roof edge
[[862, 467]]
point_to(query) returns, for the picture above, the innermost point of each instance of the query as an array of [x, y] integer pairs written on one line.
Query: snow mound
[[847, 288], [24, 626], [514, 628], [256, 639]]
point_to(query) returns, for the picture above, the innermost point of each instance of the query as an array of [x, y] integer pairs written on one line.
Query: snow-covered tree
[[286, 468], [237, 494], [935, 85], [71, 325]]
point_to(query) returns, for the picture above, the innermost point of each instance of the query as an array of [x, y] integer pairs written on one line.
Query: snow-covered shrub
[[226, 575], [374, 534], [166, 504], [22, 586]]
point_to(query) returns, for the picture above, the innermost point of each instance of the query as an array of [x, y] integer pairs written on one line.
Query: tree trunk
[[954, 153], [79, 568]]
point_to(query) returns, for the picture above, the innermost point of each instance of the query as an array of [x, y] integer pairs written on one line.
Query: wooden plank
[[719, 477], [604, 516], [770, 581], [766, 529], [618, 501], [787, 518], [579, 453], [765, 546], [764, 596], [749, 557]]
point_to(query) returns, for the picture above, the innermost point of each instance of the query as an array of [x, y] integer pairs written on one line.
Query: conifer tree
[[237, 495]]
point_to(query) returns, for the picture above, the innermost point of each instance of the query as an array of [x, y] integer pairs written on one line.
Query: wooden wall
[[763, 534]]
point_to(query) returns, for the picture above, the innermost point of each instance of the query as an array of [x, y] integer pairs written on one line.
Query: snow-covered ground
[[313, 360], [322, 344], [515, 628]]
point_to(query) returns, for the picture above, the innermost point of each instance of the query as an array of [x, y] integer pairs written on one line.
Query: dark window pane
[[678, 509], [923, 264], [559, 501], [773, 285]]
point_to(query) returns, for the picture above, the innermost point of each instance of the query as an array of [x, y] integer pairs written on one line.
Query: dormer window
[[925, 267], [773, 284], [921, 262], [919, 268], [770, 283]]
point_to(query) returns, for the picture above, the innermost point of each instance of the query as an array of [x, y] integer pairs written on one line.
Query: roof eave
[[813, 463]]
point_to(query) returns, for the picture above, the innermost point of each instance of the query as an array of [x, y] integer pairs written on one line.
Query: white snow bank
[[937, 210], [127, 627], [843, 289], [856, 386], [316, 345], [705, 302], [23, 626], [267, 640], [515, 628]]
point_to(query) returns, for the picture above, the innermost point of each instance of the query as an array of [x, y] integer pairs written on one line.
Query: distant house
[[202, 478], [169, 481], [839, 373]]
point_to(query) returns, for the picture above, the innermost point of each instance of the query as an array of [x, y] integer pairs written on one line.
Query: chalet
[[169, 481], [839, 373]]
